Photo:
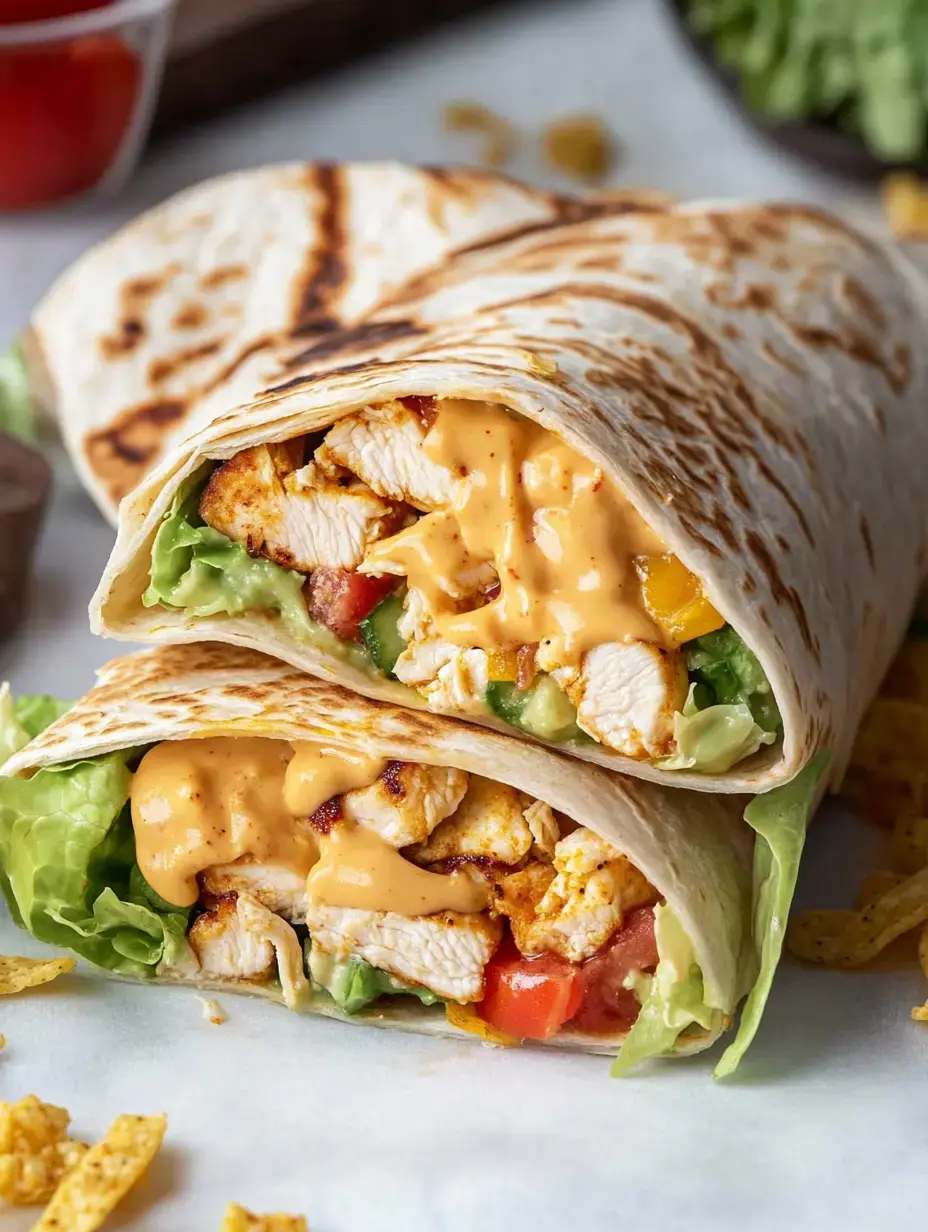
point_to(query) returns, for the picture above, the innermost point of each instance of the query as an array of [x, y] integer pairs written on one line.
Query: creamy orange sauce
[[197, 803], [316, 773], [358, 869], [200, 803], [561, 536]]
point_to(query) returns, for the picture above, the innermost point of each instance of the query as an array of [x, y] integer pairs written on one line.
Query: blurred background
[[106, 108]]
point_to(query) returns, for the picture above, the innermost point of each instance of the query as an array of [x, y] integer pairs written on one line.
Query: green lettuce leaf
[[15, 401], [780, 819], [730, 711], [21, 720], [715, 739], [725, 672], [201, 570], [353, 984], [674, 1000], [68, 868]]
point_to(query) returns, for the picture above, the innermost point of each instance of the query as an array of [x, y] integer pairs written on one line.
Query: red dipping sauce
[[66, 106]]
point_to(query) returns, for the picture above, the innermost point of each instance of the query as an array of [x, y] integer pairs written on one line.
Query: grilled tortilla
[[194, 306], [131, 831], [737, 393]]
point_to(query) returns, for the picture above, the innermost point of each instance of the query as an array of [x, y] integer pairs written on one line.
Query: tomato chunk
[[607, 1005], [530, 998], [340, 598]]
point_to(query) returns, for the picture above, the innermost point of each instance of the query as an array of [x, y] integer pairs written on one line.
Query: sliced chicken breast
[[574, 907], [275, 886], [383, 446], [407, 802], [301, 519], [239, 939], [490, 823], [449, 677], [446, 953], [626, 694]]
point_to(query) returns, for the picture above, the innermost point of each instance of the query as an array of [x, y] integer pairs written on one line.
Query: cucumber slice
[[544, 710], [381, 635]]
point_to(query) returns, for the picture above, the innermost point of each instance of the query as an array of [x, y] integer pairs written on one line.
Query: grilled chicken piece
[[446, 952], [626, 694], [490, 823], [449, 677], [238, 939], [574, 907], [300, 519], [545, 830], [275, 886], [383, 446], [407, 802]]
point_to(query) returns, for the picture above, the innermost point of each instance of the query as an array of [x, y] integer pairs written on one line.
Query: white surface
[[825, 1126]]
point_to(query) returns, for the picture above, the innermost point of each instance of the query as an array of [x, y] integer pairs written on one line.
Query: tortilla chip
[[894, 734], [17, 974], [885, 797], [910, 844], [920, 1012], [104, 1176], [815, 936], [237, 1219], [876, 884], [852, 938], [35, 1150]]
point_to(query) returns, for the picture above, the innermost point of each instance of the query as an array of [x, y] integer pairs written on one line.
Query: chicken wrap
[[645, 486], [210, 816]]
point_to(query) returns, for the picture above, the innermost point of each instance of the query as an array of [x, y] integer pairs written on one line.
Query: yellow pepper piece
[[502, 665], [674, 598], [465, 1018]]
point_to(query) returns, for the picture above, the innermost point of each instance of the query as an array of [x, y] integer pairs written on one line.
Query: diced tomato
[[14, 11], [64, 110], [607, 1005], [529, 998], [340, 598]]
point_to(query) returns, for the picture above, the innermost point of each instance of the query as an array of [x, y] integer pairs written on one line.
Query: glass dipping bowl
[[77, 93]]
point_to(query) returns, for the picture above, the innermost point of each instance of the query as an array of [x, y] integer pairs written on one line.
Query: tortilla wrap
[[194, 306], [693, 849], [753, 379]]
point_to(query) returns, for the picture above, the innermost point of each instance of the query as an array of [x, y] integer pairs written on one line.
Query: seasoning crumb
[[498, 134], [579, 146], [213, 1011]]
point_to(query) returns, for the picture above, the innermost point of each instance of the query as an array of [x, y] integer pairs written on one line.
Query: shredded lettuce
[[16, 415], [674, 1000], [730, 711], [780, 820], [203, 571], [715, 739], [24, 718], [67, 864], [354, 984]]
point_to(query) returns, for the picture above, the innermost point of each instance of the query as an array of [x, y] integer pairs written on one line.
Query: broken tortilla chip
[[237, 1219], [852, 938], [104, 1176], [17, 974], [910, 844], [35, 1150]]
